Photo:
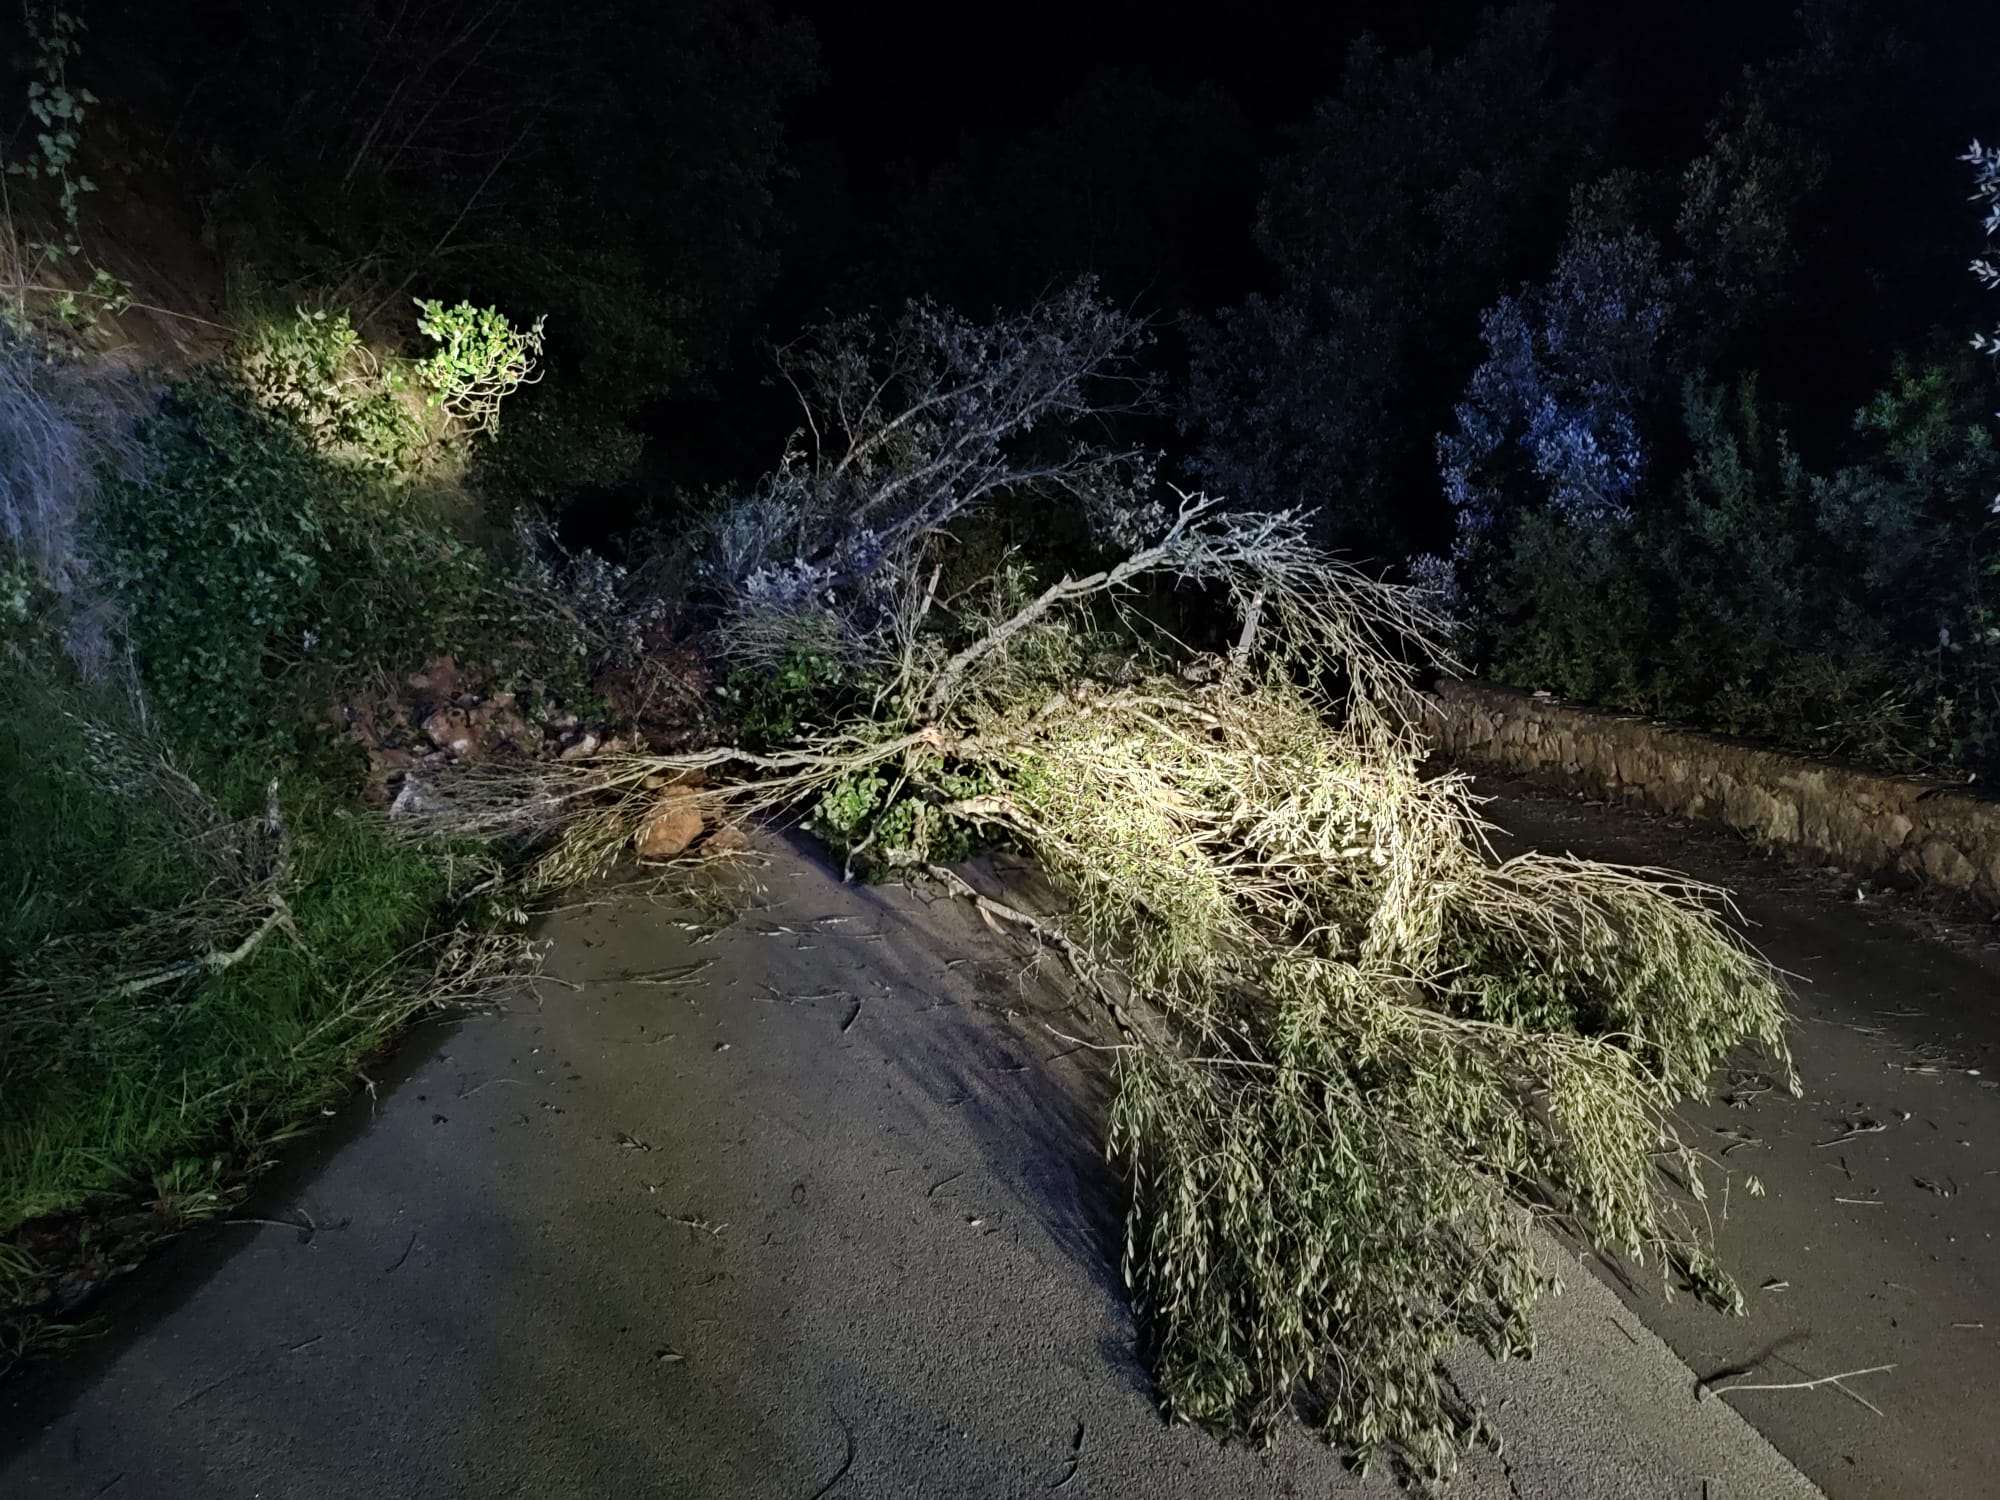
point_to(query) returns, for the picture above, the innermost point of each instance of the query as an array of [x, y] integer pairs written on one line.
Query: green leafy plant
[[259, 577], [314, 366], [481, 359], [55, 33], [868, 818], [774, 704]]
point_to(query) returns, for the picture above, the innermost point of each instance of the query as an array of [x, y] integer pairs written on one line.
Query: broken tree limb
[[1143, 1029]]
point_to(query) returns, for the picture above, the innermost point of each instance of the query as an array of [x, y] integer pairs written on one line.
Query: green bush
[[774, 704], [1852, 616], [349, 404], [1731, 551], [481, 359], [1575, 612], [866, 817], [258, 578]]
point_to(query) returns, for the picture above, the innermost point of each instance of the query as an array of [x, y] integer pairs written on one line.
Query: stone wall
[[1887, 828]]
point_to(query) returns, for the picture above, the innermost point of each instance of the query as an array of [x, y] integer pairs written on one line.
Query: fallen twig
[[712, 1230], [685, 974], [1836, 1381], [303, 1225], [1075, 1460], [1858, 1127]]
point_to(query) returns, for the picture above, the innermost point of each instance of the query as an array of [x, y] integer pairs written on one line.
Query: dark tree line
[[1580, 310]]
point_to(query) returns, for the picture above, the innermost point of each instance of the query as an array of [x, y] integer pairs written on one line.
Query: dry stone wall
[[1890, 828]]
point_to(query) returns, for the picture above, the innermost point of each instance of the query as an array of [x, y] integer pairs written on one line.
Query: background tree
[[1412, 196]]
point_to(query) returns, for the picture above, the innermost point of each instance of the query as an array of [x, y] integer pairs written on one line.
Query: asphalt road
[[809, 1206], [1875, 1241]]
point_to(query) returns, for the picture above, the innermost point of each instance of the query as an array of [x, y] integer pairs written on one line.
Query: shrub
[[1856, 613], [259, 577], [1572, 611], [481, 359], [555, 443], [1912, 546], [1668, 609], [571, 614], [775, 702], [349, 404]]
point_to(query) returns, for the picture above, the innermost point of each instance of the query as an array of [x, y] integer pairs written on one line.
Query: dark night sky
[[903, 73]]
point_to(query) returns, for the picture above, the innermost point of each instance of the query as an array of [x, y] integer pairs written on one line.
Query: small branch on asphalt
[[1859, 1127], [1080, 962], [303, 1226], [1078, 1043], [1836, 1381], [705, 1226], [685, 974], [1075, 1460]]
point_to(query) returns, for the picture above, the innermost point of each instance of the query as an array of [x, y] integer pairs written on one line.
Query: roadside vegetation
[[206, 930], [1709, 435], [235, 588]]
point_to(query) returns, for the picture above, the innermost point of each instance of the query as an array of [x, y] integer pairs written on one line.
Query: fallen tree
[[1361, 1057]]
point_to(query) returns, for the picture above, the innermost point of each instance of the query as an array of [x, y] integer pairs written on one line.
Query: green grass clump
[[196, 1084], [133, 1075]]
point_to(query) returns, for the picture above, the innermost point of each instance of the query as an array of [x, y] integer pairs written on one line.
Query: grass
[[126, 1113]]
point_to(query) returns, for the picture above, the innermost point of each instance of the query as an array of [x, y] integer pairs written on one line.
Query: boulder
[[1945, 865], [439, 682], [499, 721], [694, 779], [414, 799]]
